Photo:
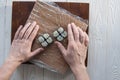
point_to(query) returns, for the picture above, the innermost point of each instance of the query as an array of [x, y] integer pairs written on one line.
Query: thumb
[[61, 48], [37, 51]]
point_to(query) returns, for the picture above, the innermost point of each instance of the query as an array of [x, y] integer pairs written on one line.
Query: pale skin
[[20, 50]]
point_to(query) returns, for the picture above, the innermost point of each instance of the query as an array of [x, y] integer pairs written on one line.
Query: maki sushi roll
[[45, 40], [60, 34]]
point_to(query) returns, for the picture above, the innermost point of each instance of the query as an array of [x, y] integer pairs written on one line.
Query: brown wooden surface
[[21, 11]]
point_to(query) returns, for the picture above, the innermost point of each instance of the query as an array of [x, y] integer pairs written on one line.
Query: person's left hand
[[21, 46]]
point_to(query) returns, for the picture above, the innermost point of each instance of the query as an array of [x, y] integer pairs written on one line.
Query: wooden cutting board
[[51, 56]]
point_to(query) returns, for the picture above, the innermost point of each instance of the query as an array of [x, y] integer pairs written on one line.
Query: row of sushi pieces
[[60, 34]]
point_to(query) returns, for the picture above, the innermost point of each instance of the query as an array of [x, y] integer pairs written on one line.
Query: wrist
[[78, 66], [13, 61], [80, 72], [78, 69]]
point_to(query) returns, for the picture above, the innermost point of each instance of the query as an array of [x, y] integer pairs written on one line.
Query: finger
[[70, 33], [29, 30], [17, 32], [37, 51], [22, 32], [75, 31], [81, 33], [61, 48], [34, 33], [86, 39]]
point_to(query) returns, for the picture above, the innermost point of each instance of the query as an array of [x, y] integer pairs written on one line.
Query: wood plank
[[2, 20], [19, 73], [97, 47], [112, 41], [49, 75], [32, 72], [104, 40], [21, 11]]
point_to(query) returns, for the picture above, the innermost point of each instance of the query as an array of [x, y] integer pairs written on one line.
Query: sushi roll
[[49, 40], [41, 39], [59, 38], [46, 35], [60, 34], [45, 40], [64, 34], [60, 30], [44, 44], [55, 33]]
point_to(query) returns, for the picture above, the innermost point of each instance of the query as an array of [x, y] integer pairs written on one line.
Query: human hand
[[20, 50], [75, 54]]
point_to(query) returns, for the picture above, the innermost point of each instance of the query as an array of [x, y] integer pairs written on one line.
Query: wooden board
[[103, 30], [57, 62]]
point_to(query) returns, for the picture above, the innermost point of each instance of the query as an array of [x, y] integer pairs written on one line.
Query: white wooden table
[[104, 47]]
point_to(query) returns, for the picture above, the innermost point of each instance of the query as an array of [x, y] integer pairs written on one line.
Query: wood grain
[[20, 13], [103, 62], [44, 21]]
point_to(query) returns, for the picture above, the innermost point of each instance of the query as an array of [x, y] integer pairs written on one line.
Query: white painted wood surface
[[104, 47]]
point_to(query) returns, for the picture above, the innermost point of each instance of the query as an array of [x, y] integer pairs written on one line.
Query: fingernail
[[69, 25], [72, 23], [37, 26]]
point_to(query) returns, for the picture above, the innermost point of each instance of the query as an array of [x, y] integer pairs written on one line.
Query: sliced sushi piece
[[55, 33], [59, 38], [64, 34], [60, 30], [49, 40], [41, 39], [44, 44], [46, 35]]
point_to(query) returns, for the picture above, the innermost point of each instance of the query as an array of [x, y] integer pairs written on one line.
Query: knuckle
[[36, 29], [76, 33], [78, 43], [82, 36], [21, 33], [87, 40], [71, 46], [27, 32], [33, 34]]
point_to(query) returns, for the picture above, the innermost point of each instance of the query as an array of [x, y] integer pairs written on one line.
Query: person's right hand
[[75, 54]]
